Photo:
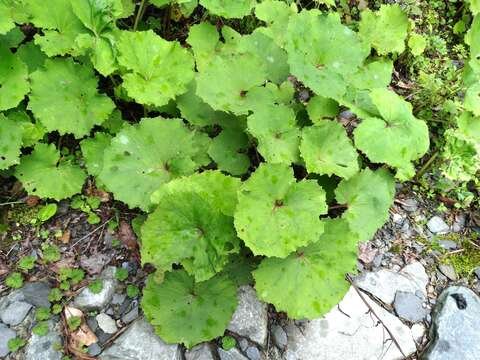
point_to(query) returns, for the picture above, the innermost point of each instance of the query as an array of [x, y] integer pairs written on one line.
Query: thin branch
[[92, 232], [140, 13], [350, 280]]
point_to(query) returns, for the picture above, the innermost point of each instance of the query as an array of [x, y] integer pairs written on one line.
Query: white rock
[[106, 323], [87, 300], [139, 342], [232, 354], [15, 313], [437, 225], [250, 318], [350, 333], [418, 332], [385, 283], [5, 335], [200, 352]]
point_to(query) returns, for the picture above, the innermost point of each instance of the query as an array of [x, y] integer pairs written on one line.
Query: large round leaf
[[275, 214], [397, 138], [309, 282], [10, 142], [327, 150], [229, 8], [183, 311], [315, 56], [278, 135], [186, 228], [157, 69], [44, 175], [368, 196], [142, 157], [228, 151], [65, 98], [13, 79]]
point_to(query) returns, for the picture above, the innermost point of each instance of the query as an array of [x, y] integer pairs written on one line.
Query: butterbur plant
[[244, 181]]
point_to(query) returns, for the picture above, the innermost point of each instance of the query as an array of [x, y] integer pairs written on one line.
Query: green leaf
[[32, 132], [10, 142], [142, 157], [14, 280], [223, 84], [368, 196], [47, 212], [16, 344], [187, 228], [132, 291], [311, 281], [27, 262], [218, 189], [386, 29], [13, 79], [74, 323], [316, 59], [397, 139], [320, 108], [6, 21], [32, 56], [278, 135], [60, 27], [50, 253], [43, 174], [92, 151], [145, 56], [228, 343], [41, 329], [275, 214], [276, 15], [55, 295], [472, 99], [327, 150], [121, 274], [43, 313], [183, 311], [469, 126], [228, 151], [12, 38], [375, 74], [96, 286], [65, 98], [229, 8], [417, 44], [473, 40]]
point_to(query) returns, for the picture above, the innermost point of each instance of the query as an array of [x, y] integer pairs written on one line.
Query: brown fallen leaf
[[32, 200], [65, 238], [127, 236], [83, 336]]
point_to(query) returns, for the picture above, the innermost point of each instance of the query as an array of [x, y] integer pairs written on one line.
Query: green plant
[[232, 144], [41, 329], [47, 212], [87, 204], [27, 263], [132, 291], [55, 295], [228, 343], [121, 274], [14, 280], [16, 344], [74, 322], [96, 286], [42, 313]]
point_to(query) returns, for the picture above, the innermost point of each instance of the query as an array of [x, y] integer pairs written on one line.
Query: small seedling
[[43, 313], [132, 291], [55, 295], [57, 309], [41, 329], [51, 253], [16, 344], [27, 263], [46, 212], [121, 274], [74, 323], [14, 280], [96, 286], [228, 343]]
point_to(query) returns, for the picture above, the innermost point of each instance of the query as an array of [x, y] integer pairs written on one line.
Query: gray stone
[[94, 350], [45, 347], [385, 283], [410, 205], [437, 225], [106, 323], [279, 337], [409, 306], [477, 272], [459, 223], [244, 344], [350, 331], [92, 323], [139, 342], [200, 352], [455, 326], [448, 270], [448, 244], [118, 299], [131, 315], [250, 318], [15, 313], [253, 353], [232, 354], [5, 335], [87, 300], [36, 293]]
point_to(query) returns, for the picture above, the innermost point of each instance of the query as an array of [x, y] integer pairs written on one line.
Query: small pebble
[[106, 323], [253, 353], [94, 350], [448, 271], [279, 337]]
